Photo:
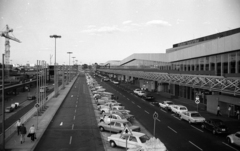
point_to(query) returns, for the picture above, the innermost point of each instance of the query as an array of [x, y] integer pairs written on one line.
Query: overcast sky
[[103, 30]]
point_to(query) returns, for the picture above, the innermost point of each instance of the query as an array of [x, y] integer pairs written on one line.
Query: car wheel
[[112, 144], [101, 120], [101, 128], [214, 132], [120, 131]]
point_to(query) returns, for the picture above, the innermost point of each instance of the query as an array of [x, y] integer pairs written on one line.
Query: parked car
[[234, 138], [136, 91], [9, 109], [216, 126], [107, 118], [165, 104], [115, 82], [105, 79], [178, 109], [108, 104], [117, 126], [147, 96], [135, 140], [114, 108], [192, 117], [141, 93], [31, 97]]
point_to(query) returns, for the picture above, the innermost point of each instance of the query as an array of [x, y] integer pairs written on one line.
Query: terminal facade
[[207, 67]]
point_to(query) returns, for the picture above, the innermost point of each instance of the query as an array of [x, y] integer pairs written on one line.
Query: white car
[[192, 117], [107, 118], [114, 108], [178, 109], [108, 104], [135, 140], [136, 91], [141, 93], [115, 82], [165, 104], [234, 138]]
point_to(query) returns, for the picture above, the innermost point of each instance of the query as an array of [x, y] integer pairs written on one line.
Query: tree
[[84, 66]]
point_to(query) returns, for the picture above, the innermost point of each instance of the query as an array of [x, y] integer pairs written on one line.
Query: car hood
[[133, 127], [198, 118]]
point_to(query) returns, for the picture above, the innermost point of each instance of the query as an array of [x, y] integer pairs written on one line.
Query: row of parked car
[[214, 125], [12, 107], [116, 119]]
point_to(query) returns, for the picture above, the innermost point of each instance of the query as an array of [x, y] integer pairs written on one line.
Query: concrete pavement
[[41, 123]]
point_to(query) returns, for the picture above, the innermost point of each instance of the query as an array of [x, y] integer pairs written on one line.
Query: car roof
[[192, 111], [181, 106], [167, 101], [138, 134], [120, 120]]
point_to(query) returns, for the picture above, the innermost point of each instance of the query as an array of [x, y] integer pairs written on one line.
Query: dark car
[[216, 126], [9, 109], [31, 97], [147, 96]]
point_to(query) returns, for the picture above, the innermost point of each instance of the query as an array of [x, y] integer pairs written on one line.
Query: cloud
[[127, 22], [102, 30], [179, 21], [206, 23], [91, 26], [158, 23]]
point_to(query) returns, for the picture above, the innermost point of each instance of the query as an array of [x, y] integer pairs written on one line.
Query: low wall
[[10, 130]]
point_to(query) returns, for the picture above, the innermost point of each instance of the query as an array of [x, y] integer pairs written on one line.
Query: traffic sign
[[126, 131], [197, 101], [155, 115], [37, 105]]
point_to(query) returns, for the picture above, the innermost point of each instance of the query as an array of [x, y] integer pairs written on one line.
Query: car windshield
[[183, 108], [196, 115], [144, 138], [219, 123]]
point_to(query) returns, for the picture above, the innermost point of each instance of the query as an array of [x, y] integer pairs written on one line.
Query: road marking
[[230, 146], [128, 98], [158, 120], [75, 110], [172, 129], [70, 141], [146, 111], [76, 101], [163, 110], [71, 95], [133, 102], [151, 104], [61, 123], [197, 128], [77, 98], [73, 117], [194, 145], [72, 126], [76, 105], [139, 106]]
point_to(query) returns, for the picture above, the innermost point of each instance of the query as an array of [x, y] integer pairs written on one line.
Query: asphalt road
[[175, 134], [74, 127]]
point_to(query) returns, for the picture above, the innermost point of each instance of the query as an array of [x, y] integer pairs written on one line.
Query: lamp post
[[55, 66], [73, 60], [69, 67]]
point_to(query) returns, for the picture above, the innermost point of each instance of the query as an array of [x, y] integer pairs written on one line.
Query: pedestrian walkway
[[40, 122]]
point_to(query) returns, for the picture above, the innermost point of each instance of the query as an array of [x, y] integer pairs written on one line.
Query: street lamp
[[73, 60], [69, 67], [55, 66]]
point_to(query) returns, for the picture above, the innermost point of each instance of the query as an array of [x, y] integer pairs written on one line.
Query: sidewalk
[[14, 144], [232, 123]]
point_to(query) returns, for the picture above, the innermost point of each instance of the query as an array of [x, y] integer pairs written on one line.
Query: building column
[[236, 63]]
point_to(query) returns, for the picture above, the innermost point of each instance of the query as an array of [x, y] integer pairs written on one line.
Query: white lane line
[[71, 95], [72, 126], [197, 128], [230, 146], [172, 129], [158, 120], [61, 123], [128, 98], [76, 105], [70, 141], [151, 104], [139, 106], [194, 145], [133, 102], [146, 111], [163, 110], [73, 117], [76, 101], [75, 110]]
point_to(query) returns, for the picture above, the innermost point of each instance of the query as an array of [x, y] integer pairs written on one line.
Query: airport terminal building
[[207, 67]]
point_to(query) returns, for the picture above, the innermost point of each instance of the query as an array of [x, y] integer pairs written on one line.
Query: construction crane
[[7, 46]]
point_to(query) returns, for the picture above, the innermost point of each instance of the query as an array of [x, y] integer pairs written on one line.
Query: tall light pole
[[73, 60], [55, 67], [69, 67]]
